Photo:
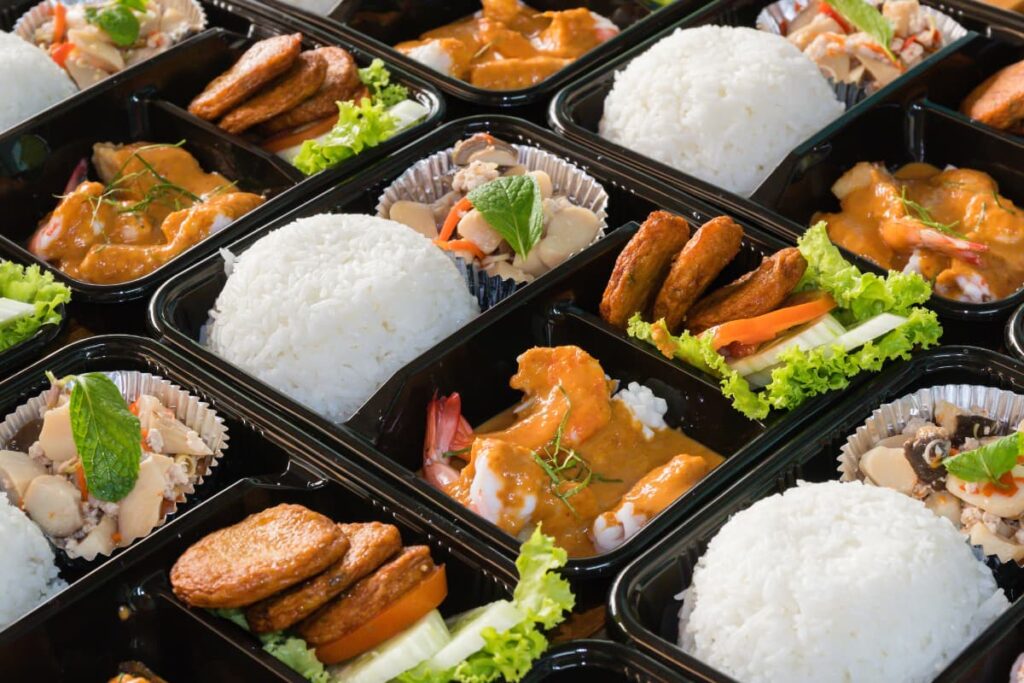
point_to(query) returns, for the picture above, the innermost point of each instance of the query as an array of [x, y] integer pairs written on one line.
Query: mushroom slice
[[139, 512], [569, 231], [99, 541], [925, 453], [164, 432], [52, 502], [417, 216], [992, 544], [963, 425], [1006, 506], [484, 147], [55, 437], [17, 470], [887, 467]]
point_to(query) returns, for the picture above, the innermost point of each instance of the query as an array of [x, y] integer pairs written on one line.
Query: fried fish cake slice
[[759, 291], [698, 264], [999, 100], [370, 545], [367, 598], [341, 83], [264, 553], [261, 63], [642, 265], [295, 86]]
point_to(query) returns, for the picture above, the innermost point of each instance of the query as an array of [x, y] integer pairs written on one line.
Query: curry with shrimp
[[508, 45], [587, 460], [952, 226], [152, 202]]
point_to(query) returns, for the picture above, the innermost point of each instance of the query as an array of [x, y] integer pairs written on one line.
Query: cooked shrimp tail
[[907, 234], [77, 175], [447, 431]]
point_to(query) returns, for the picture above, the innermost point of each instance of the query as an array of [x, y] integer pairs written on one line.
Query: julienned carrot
[[83, 486], [60, 22], [463, 245], [765, 327], [461, 208], [60, 52]]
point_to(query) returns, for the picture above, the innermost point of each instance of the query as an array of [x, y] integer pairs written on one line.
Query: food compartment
[[644, 608], [578, 109], [379, 25], [247, 453], [894, 136], [582, 660]]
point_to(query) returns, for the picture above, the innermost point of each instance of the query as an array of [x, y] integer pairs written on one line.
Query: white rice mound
[[836, 582], [327, 308], [28, 575], [29, 81], [721, 103]]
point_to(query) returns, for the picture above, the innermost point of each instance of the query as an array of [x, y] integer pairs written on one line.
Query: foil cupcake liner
[[430, 179], [890, 419], [194, 413], [32, 19], [776, 17]]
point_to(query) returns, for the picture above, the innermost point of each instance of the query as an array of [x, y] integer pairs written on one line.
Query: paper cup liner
[[890, 419], [776, 18], [195, 18], [429, 179], [193, 412]]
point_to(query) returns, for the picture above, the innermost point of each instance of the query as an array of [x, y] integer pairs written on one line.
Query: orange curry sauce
[[601, 431], [509, 46], [879, 223], [140, 217]]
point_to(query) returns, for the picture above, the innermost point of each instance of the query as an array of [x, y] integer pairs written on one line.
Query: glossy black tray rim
[[593, 657], [27, 349], [626, 626], [303, 187], [160, 322], [316, 458]]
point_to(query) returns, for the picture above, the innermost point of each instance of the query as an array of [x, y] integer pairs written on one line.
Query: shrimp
[[905, 234], [447, 431], [655, 491]]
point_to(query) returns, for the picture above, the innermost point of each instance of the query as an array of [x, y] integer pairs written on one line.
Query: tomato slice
[[392, 620], [766, 327]]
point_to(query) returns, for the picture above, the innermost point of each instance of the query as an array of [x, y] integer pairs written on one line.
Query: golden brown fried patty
[[642, 265], [264, 553], [701, 260], [999, 100], [295, 86], [261, 63], [370, 545], [341, 83], [368, 597], [756, 293]]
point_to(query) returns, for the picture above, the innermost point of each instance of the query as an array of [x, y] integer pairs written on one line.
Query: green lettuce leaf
[[858, 295], [360, 126], [289, 650], [542, 594], [505, 656], [377, 80], [30, 285]]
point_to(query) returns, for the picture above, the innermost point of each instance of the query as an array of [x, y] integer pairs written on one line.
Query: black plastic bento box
[[604, 660], [121, 608], [912, 119], [377, 25], [148, 101], [559, 308], [644, 607]]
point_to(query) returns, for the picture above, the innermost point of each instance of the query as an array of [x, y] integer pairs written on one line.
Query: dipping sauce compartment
[[643, 607]]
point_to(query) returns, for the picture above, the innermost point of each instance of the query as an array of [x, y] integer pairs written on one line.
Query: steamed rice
[[29, 81], [836, 582], [720, 103], [28, 575], [327, 308]]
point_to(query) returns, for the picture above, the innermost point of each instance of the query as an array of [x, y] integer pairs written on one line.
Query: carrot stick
[[765, 327], [60, 53], [60, 22], [463, 245], [461, 208], [83, 486]]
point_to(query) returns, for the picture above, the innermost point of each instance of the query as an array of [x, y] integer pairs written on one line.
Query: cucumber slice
[[11, 310], [824, 330], [466, 628], [419, 642], [872, 328]]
